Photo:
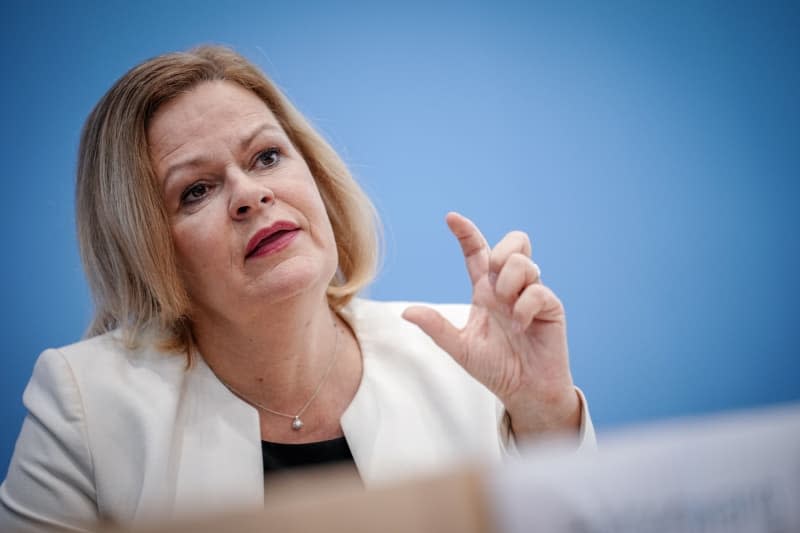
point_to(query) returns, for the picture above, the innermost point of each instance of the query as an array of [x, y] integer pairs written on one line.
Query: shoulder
[[90, 406], [101, 372], [113, 348], [106, 356]]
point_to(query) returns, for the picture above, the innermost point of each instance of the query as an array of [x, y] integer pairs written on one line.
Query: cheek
[[322, 227], [315, 207], [196, 246]]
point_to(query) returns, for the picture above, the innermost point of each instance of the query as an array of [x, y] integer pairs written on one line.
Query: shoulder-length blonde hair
[[123, 229]]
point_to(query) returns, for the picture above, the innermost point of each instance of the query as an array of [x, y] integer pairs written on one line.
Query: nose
[[247, 195]]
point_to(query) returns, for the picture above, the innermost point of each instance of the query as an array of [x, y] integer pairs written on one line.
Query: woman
[[224, 242]]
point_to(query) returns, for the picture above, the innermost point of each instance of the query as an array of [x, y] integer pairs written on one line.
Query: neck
[[275, 357]]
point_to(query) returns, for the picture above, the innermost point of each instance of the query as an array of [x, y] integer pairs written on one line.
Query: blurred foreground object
[[332, 499], [731, 473]]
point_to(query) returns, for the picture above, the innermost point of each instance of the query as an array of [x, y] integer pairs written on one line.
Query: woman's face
[[247, 219]]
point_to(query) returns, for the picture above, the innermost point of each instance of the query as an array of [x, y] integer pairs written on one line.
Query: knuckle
[[506, 287], [503, 292], [515, 243], [535, 293], [519, 260], [522, 239]]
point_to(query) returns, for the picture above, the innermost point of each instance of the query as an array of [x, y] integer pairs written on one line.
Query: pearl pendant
[[297, 424]]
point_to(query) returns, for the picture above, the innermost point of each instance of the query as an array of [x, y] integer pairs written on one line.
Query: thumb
[[437, 327]]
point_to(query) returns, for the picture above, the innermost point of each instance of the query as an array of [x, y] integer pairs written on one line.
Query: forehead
[[220, 110]]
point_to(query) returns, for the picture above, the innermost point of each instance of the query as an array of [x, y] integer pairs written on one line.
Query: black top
[[279, 456]]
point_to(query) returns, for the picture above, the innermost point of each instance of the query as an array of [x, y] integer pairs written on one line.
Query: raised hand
[[514, 341]]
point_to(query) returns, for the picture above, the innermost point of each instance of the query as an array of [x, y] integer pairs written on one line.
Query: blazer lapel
[[218, 453], [382, 424]]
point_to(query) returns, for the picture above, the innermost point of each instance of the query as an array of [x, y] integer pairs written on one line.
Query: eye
[[268, 158], [195, 193]]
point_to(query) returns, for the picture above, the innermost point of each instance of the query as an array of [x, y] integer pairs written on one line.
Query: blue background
[[651, 151]]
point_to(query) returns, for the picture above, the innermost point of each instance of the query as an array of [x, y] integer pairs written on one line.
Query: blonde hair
[[123, 229]]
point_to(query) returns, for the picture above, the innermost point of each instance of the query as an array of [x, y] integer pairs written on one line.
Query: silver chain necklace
[[297, 423]]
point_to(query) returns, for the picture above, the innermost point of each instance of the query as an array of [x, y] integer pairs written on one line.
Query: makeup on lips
[[271, 239]]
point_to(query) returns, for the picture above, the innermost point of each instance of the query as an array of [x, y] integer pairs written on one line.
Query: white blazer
[[131, 436]]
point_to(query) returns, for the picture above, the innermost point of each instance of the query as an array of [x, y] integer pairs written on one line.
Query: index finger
[[473, 245]]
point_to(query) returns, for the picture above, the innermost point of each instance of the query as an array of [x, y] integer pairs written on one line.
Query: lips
[[271, 239]]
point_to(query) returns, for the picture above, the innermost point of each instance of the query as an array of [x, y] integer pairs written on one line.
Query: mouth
[[271, 239]]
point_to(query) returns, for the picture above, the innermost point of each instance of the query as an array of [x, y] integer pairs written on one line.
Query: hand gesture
[[514, 341]]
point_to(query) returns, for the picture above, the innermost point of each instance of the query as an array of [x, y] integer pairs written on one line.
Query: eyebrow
[[243, 144]]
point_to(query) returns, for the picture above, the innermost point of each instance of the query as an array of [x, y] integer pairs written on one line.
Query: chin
[[296, 276]]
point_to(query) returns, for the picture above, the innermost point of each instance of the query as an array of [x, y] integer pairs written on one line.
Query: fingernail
[[492, 278]]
